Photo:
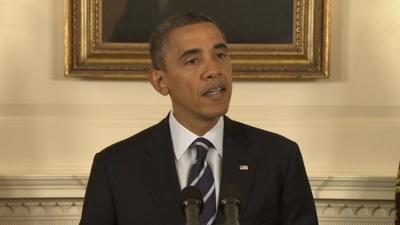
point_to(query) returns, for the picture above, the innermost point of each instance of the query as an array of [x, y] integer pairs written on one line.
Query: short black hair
[[158, 38]]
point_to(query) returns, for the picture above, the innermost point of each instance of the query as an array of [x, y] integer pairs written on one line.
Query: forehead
[[197, 35]]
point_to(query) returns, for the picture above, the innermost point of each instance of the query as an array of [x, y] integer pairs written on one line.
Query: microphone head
[[230, 193], [192, 195]]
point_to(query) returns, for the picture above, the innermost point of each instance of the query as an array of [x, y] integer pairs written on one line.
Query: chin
[[217, 113]]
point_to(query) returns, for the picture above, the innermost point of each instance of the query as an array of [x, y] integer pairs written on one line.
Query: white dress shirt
[[185, 155]]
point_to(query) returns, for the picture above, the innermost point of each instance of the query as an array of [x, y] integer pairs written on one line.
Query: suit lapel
[[159, 174], [160, 177], [238, 165]]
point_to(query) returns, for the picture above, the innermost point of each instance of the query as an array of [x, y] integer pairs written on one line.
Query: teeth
[[215, 90]]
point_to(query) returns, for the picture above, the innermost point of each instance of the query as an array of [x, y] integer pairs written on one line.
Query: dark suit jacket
[[134, 182]]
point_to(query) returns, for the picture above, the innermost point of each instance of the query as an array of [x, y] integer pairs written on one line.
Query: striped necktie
[[201, 177]]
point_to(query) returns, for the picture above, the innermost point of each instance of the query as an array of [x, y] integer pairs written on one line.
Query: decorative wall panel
[[40, 211], [58, 200]]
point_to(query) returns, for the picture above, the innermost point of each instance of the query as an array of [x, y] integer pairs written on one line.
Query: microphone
[[192, 204], [230, 204]]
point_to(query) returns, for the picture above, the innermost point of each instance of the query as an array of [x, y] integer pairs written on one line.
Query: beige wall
[[347, 125]]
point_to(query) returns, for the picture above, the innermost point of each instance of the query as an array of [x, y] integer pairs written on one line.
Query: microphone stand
[[231, 210], [230, 204], [192, 205], [192, 211]]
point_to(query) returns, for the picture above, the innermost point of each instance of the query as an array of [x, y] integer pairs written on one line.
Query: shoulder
[[258, 135], [276, 152], [137, 143], [263, 145]]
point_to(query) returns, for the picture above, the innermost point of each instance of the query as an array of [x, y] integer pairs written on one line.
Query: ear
[[159, 81]]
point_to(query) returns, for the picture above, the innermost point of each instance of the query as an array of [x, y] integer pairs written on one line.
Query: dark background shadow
[[251, 21]]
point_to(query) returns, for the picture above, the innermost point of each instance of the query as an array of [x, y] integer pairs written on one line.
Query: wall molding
[[55, 207], [364, 188], [25, 186], [68, 211], [73, 186], [355, 212], [40, 211], [57, 200], [355, 208], [73, 207]]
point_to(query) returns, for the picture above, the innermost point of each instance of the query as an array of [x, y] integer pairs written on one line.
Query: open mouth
[[215, 91]]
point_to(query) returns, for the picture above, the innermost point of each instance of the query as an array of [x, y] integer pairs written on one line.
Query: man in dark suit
[[138, 180]]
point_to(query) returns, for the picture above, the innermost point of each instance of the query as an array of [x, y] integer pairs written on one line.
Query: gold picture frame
[[306, 56]]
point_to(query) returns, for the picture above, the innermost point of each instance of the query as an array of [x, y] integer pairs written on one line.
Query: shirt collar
[[182, 138]]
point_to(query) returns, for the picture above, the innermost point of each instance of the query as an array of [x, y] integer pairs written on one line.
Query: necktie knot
[[202, 145]]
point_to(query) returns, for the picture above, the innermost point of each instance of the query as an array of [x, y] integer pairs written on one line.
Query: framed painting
[[268, 39]]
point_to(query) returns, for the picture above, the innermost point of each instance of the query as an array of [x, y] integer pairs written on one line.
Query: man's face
[[198, 72]]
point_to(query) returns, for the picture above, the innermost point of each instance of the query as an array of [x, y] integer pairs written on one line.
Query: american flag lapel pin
[[243, 167]]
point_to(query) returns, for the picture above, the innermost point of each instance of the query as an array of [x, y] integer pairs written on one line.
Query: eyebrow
[[194, 51], [189, 52], [221, 46]]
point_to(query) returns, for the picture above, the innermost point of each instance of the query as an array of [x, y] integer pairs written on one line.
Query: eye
[[221, 55], [192, 61]]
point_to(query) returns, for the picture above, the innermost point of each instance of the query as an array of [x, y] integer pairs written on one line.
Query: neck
[[197, 126]]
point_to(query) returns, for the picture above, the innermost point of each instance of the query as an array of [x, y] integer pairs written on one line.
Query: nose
[[212, 68]]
